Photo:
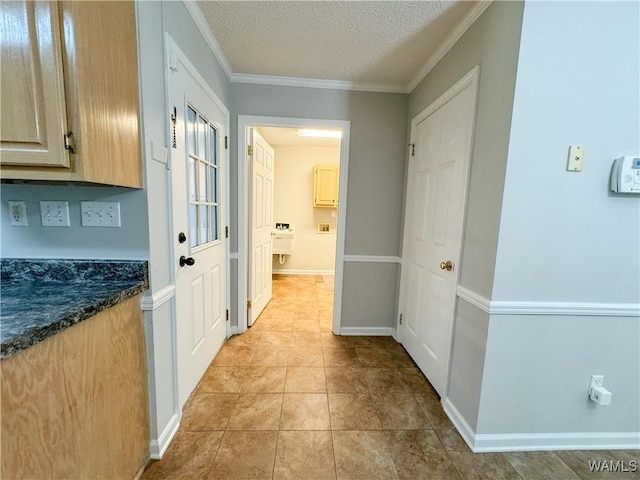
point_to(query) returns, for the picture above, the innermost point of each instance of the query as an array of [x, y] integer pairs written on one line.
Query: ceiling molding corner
[[203, 26], [314, 83], [448, 43]]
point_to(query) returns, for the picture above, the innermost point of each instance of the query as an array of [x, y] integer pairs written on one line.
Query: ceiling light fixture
[[306, 132]]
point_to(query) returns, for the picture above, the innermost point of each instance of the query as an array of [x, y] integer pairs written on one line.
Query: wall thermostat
[[625, 175]]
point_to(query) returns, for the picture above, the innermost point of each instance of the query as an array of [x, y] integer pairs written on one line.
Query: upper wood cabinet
[[70, 69], [325, 186]]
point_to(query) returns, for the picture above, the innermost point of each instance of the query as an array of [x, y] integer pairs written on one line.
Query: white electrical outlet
[[575, 162], [54, 214], [18, 214], [100, 214], [596, 381]]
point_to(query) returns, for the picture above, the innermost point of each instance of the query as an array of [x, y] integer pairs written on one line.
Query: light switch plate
[[100, 214], [54, 214]]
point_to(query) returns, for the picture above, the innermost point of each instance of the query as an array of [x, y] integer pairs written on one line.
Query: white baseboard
[[464, 429], [233, 330], [368, 331], [158, 446], [285, 271], [520, 442]]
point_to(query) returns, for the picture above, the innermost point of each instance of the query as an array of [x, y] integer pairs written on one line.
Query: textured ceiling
[[364, 42]]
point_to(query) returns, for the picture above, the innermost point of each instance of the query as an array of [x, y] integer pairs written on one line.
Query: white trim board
[[303, 272], [372, 259], [151, 302], [368, 331], [502, 307], [159, 446], [315, 83], [518, 442]]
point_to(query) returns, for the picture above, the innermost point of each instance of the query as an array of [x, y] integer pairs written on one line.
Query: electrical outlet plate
[[54, 214], [575, 162], [18, 214], [596, 381], [100, 214]]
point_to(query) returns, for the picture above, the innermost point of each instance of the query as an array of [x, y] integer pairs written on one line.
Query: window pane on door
[[203, 179]]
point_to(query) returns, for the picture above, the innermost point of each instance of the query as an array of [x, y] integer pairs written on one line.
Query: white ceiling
[[289, 137], [364, 45]]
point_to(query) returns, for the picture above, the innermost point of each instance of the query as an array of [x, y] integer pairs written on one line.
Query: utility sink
[[282, 241]]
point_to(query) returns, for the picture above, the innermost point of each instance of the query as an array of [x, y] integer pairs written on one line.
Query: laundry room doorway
[[292, 181]]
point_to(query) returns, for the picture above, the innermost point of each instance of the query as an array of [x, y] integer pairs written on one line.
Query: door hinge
[[250, 150], [69, 143], [226, 232], [400, 319], [226, 142], [413, 149], [227, 315], [248, 303], [174, 120]]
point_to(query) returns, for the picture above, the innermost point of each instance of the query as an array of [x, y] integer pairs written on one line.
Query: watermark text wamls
[[613, 466]]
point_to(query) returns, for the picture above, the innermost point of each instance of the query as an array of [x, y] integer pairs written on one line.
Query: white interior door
[[261, 224], [198, 163], [432, 235]]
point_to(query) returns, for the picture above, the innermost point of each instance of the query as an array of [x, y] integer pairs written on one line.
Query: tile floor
[[289, 400]]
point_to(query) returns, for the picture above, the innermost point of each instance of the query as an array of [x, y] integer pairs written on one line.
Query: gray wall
[[131, 241], [491, 42], [563, 237], [375, 187]]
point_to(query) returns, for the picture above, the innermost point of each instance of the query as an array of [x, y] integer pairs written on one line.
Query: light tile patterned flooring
[[289, 400]]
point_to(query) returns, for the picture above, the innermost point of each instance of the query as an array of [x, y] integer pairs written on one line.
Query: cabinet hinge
[[69, 143], [250, 150], [400, 319], [226, 142], [227, 315], [248, 303], [226, 232], [174, 120], [413, 149]]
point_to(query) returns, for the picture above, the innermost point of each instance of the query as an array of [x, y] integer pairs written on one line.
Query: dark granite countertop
[[40, 298]]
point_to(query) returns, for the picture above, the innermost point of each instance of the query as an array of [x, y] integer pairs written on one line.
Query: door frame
[[471, 79], [175, 57], [244, 123]]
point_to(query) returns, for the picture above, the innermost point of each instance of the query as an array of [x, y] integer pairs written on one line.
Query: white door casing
[[261, 166], [198, 183], [245, 122], [434, 217]]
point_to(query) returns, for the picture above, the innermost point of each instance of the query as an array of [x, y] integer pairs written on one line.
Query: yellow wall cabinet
[[70, 100], [325, 185]]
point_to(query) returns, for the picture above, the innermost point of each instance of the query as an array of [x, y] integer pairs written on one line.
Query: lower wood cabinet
[[75, 405]]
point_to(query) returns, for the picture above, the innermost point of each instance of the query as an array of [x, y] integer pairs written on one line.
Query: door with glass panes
[[198, 190]]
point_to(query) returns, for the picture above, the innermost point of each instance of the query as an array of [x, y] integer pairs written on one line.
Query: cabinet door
[[325, 186], [32, 91]]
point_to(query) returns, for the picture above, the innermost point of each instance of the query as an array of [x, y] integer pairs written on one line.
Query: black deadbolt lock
[[182, 237]]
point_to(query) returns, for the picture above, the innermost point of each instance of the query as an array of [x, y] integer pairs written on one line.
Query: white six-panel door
[[433, 231], [261, 215]]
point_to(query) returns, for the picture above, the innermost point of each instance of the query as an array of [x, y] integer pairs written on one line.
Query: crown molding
[[448, 43], [203, 26], [314, 83]]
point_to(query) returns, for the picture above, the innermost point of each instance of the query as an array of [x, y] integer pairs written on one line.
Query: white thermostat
[[625, 175]]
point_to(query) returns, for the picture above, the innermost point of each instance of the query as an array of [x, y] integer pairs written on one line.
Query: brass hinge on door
[[226, 142], [400, 319], [248, 303], [249, 149]]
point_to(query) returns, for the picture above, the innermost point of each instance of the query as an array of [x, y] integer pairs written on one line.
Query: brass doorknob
[[448, 266]]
